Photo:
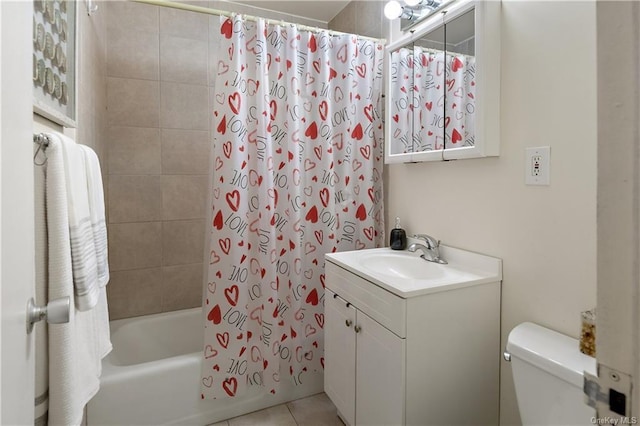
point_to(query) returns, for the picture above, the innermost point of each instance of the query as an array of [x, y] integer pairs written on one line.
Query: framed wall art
[[54, 60]]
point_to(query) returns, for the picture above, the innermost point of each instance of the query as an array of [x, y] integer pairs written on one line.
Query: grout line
[[162, 192], [286, 404]]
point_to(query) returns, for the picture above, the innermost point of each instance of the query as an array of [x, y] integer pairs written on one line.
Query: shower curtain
[[433, 93], [296, 173]]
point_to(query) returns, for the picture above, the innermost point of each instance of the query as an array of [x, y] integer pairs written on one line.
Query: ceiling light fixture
[[412, 10], [431, 4], [393, 10]]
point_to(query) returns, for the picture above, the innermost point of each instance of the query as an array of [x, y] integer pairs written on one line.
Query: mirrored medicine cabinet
[[443, 86]]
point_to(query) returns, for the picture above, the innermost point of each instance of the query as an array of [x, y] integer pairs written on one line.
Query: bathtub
[[152, 376]]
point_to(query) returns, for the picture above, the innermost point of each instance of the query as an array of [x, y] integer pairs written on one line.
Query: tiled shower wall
[[363, 17], [157, 97], [159, 82], [92, 96]]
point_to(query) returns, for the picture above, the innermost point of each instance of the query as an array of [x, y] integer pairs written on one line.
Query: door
[[380, 370], [16, 213], [340, 355], [618, 249]]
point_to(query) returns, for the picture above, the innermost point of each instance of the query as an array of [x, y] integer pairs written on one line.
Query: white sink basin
[[402, 265], [407, 274]]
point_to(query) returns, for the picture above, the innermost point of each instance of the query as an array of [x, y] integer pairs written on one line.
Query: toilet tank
[[548, 376]]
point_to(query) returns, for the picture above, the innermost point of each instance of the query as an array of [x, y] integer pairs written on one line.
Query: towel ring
[[36, 155], [43, 141]]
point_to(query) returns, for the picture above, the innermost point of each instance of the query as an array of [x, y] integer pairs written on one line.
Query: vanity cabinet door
[[340, 355], [380, 374]]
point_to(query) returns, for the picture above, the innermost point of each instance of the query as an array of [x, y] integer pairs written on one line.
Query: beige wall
[[546, 236], [160, 74]]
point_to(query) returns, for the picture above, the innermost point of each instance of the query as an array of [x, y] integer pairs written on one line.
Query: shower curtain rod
[[208, 11]]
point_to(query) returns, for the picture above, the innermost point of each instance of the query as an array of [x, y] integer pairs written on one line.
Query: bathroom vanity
[[412, 342]]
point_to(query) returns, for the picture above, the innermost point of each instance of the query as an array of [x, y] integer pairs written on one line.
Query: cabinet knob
[[335, 295], [348, 304], [348, 323], [357, 328]]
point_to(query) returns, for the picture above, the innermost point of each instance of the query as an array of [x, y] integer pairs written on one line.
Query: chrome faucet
[[430, 251]]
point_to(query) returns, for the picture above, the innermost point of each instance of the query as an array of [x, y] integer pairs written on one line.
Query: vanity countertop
[[406, 275]]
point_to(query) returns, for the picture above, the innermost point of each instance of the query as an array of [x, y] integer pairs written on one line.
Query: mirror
[[401, 70], [429, 96], [460, 105], [442, 90]]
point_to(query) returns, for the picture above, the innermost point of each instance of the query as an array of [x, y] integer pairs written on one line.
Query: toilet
[[548, 376]]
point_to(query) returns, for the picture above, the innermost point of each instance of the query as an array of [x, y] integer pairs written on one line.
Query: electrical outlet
[[537, 165]]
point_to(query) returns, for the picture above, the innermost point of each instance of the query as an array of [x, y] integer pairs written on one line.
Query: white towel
[[76, 348], [83, 248], [99, 227], [97, 212]]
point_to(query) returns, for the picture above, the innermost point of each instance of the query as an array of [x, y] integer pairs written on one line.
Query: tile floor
[[316, 410]]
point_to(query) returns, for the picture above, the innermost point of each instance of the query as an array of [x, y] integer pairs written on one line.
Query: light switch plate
[[537, 165]]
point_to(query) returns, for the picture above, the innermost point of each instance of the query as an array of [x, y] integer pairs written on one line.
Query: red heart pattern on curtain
[[296, 173], [432, 100]]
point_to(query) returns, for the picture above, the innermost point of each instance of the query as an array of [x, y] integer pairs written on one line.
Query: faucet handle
[[431, 242]]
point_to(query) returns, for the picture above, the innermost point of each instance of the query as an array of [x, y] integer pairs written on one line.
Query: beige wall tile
[[181, 287], [133, 54], [91, 82], [183, 60], [135, 245], [182, 23], [182, 242], [214, 55], [85, 133], [345, 20], [212, 106], [369, 18], [134, 198], [184, 106], [124, 15], [134, 293], [185, 151], [247, 9], [134, 150], [133, 102], [184, 197]]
